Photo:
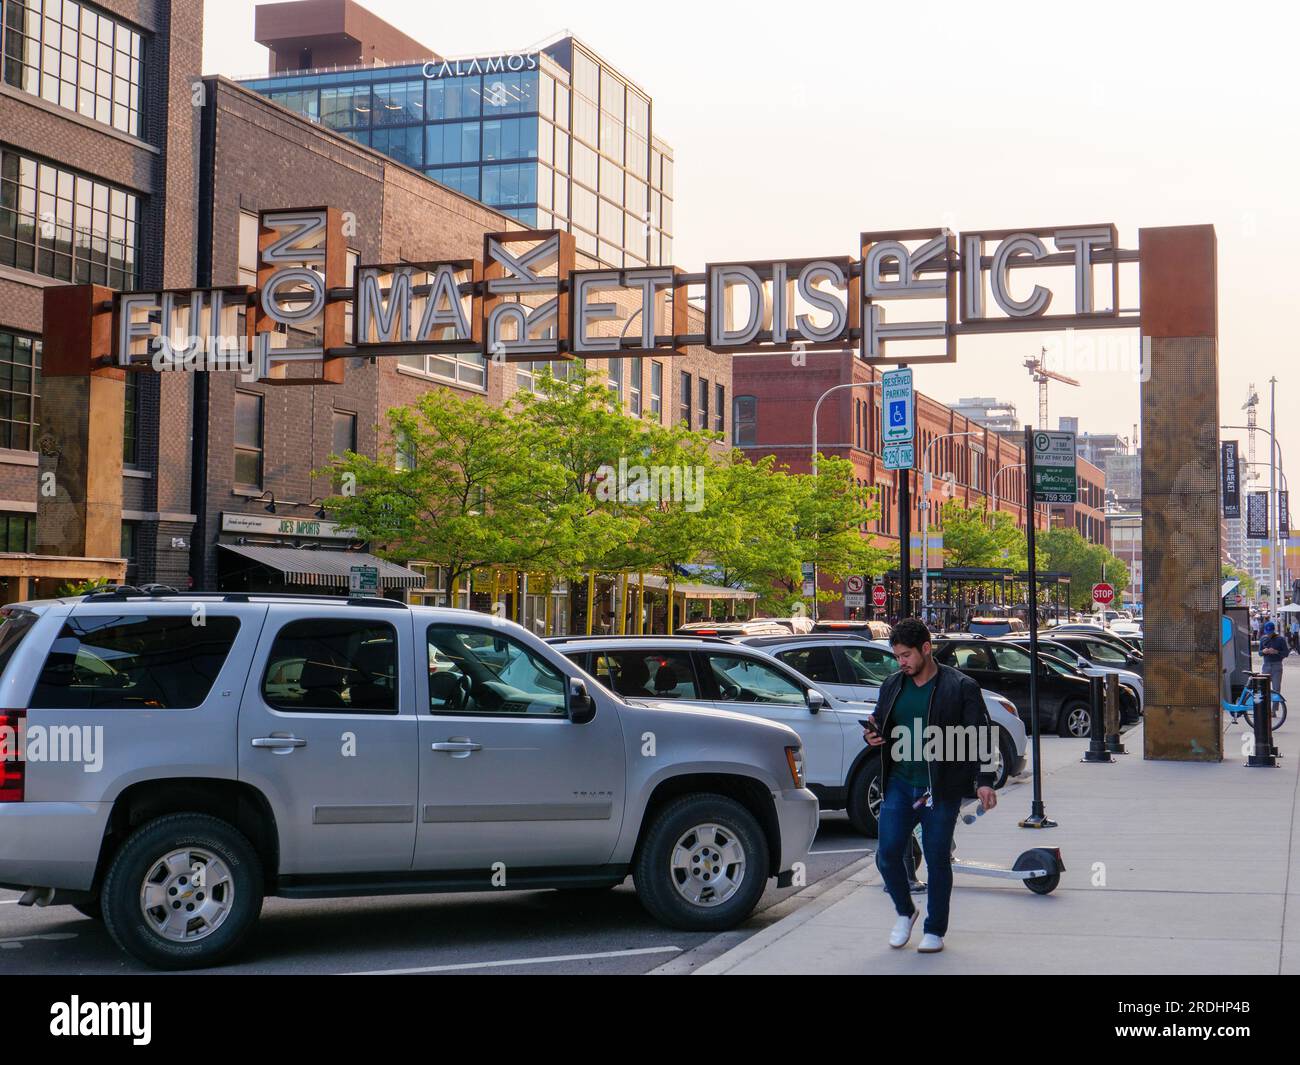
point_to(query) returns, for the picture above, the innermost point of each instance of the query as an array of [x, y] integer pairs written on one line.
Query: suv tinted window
[[746, 680], [870, 665], [14, 625], [815, 663], [648, 674], [123, 662], [1010, 659], [333, 664], [475, 671]]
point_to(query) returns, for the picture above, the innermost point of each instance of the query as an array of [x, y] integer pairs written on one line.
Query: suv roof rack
[[117, 593]]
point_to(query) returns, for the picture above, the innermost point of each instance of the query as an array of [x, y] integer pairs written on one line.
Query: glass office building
[[555, 138]]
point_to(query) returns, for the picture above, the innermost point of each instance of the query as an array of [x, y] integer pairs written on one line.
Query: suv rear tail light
[[13, 768]]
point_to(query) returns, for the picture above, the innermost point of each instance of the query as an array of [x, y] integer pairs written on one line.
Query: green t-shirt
[[911, 710]]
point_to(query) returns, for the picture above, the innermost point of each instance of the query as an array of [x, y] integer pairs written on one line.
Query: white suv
[[842, 771]]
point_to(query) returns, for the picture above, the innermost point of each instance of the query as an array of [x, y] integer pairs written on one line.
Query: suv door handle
[[464, 746], [279, 743]]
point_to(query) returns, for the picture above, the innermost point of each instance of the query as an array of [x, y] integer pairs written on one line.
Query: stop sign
[[1103, 594], [879, 596]]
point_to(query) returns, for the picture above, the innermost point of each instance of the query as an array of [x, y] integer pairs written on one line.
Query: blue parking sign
[[899, 402]]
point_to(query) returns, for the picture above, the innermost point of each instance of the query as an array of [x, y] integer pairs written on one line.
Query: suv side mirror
[[582, 705], [816, 700]]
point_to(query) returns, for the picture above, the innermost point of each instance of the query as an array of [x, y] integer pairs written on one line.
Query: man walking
[[920, 785], [1272, 649]]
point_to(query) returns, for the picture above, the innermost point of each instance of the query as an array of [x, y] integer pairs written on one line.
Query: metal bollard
[[1113, 715], [1096, 751], [1264, 755]]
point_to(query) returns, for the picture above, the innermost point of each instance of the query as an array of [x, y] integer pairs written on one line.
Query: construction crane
[[1039, 372], [1252, 401]]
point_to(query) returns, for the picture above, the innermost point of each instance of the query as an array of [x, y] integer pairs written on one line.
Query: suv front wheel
[[183, 892], [702, 865]]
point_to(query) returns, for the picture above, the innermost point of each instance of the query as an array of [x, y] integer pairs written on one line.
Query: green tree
[[456, 484], [1065, 550], [1247, 586]]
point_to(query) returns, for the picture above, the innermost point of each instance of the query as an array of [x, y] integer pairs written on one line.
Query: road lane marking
[[521, 961], [851, 850]]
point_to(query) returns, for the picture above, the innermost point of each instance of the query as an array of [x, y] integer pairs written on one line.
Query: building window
[[131, 420], [343, 436], [76, 58], [62, 225], [616, 378], [744, 421], [20, 375], [657, 390], [634, 387], [248, 439], [684, 399], [17, 532], [404, 451], [704, 403], [464, 368], [719, 407]]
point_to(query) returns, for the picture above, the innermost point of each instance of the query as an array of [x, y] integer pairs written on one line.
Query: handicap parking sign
[[899, 402]]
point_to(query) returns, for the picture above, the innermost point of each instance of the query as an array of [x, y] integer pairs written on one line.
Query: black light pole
[[1037, 814], [905, 543]]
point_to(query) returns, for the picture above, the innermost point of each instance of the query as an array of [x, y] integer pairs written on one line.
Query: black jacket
[[955, 701]]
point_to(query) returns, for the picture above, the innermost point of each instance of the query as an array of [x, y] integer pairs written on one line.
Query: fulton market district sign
[[525, 299]]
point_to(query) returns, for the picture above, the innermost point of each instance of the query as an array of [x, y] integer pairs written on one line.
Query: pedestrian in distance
[[1272, 649], [1295, 634], [927, 789]]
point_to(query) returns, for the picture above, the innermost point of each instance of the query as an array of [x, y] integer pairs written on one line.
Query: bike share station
[[525, 300]]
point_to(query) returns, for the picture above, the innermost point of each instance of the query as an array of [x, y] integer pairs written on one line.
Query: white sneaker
[[930, 944], [903, 930]]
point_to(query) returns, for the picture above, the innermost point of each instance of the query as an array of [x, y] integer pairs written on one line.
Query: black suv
[[1063, 696]]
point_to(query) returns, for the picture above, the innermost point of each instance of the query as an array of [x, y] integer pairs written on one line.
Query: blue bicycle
[[1244, 708]]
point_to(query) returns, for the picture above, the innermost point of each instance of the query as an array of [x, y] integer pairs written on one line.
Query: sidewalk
[[1171, 867]]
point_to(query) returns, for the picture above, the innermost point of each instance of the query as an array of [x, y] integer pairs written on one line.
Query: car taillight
[[13, 769]]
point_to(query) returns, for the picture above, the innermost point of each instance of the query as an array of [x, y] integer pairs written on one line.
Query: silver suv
[[185, 755]]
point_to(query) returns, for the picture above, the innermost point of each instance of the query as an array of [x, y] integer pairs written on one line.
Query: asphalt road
[[518, 931]]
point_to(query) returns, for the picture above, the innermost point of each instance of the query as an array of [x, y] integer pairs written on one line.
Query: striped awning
[[324, 568]]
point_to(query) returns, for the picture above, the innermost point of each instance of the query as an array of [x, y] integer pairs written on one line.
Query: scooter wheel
[[1038, 858]]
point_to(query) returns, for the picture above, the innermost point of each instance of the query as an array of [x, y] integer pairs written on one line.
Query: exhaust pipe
[[37, 896]]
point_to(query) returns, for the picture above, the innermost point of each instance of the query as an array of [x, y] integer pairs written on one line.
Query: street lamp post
[[925, 515], [816, 410], [1277, 552], [1001, 470]]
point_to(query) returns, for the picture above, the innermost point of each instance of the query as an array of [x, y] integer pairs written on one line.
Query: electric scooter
[[1040, 868]]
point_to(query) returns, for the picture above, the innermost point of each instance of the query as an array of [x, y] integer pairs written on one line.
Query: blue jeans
[[897, 820]]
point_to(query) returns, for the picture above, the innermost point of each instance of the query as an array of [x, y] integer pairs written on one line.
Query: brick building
[[773, 412], [98, 142], [1088, 516]]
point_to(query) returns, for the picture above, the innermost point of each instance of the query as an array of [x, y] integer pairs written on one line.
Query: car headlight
[[794, 758]]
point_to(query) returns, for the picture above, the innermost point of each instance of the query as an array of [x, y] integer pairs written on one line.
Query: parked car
[[841, 770], [757, 627], [310, 747], [1064, 697], [1127, 644], [867, 628], [1101, 652], [797, 624], [995, 626], [1068, 652], [849, 668]]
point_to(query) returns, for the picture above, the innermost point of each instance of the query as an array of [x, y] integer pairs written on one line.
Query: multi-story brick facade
[[773, 414], [132, 138]]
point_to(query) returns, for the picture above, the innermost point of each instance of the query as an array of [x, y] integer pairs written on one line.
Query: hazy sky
[[795, 127]]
